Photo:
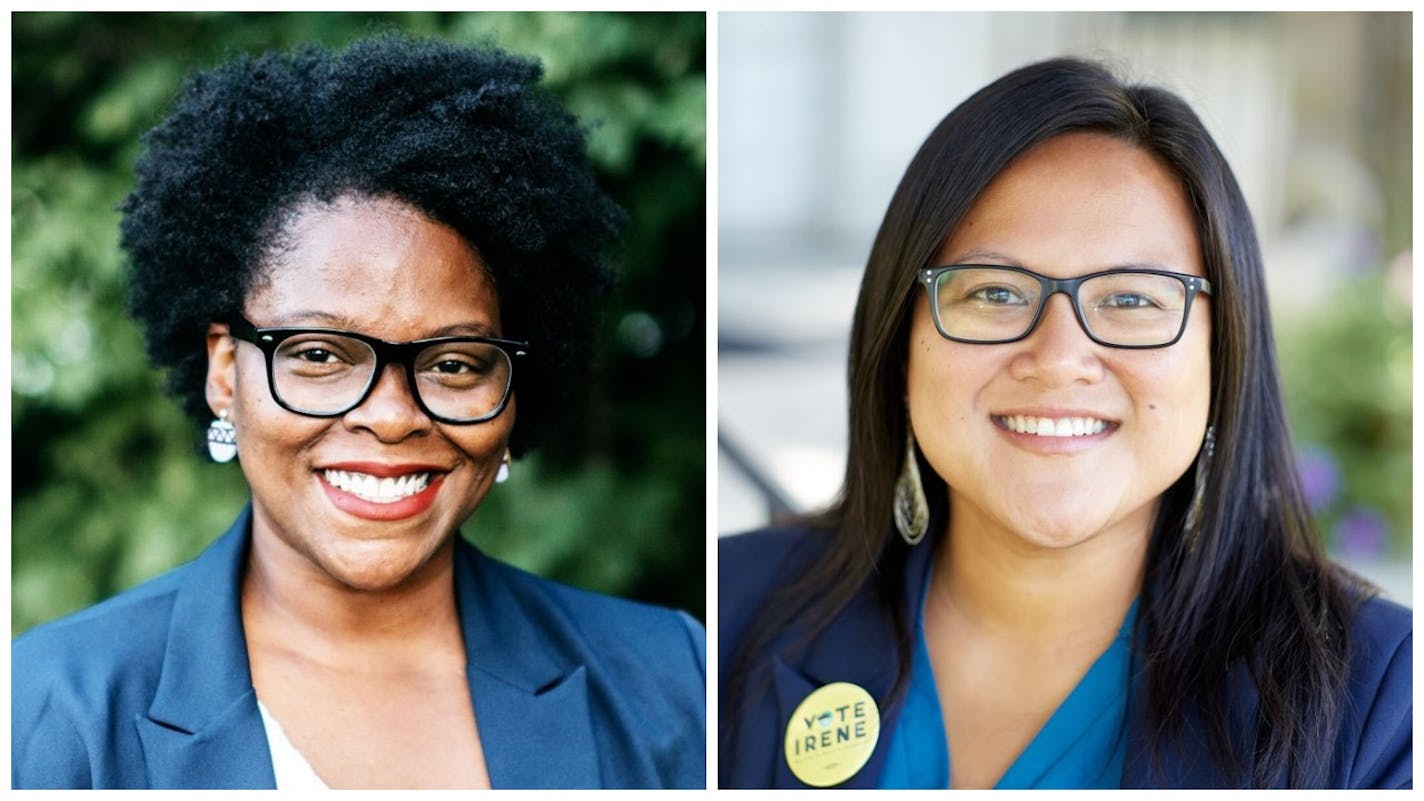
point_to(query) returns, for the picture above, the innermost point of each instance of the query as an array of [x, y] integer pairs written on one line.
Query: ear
[[222, 368]]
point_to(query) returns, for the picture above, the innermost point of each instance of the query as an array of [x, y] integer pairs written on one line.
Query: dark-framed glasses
[[327, 372], [1123, 308]]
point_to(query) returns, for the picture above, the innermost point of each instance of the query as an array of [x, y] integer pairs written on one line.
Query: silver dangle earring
[[222, 439], [912, 512], [1208, 449], [502, 475]]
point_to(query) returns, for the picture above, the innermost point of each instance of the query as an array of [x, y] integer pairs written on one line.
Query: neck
[[1004, 585], [290, 602]]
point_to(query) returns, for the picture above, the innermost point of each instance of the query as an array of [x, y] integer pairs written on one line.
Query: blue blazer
[[151, 689], [1374, 747]]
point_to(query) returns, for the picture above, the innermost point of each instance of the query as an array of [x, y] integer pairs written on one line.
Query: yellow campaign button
[[831, 734]]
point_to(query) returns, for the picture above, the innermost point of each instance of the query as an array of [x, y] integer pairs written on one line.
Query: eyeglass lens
[[322, 373], [987, 304]]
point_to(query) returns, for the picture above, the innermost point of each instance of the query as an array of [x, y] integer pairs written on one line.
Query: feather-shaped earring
[[912, 512]]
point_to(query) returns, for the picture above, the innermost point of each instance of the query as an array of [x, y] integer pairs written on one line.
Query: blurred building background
[[819, 115], [110, 486]]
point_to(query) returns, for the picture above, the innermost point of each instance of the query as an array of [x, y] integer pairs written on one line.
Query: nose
[[1058, 352], [390, 411]]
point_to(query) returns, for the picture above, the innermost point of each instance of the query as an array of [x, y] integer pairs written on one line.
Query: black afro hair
[[463, 135]]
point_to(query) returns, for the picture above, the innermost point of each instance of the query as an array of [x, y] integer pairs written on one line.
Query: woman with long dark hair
[[1070, 549]]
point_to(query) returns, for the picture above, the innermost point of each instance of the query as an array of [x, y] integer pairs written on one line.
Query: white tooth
[[378, 490], [1064, 428], [1080, 426], [1020, 425], [1098, 426], [1045, 427], [1028, 425]]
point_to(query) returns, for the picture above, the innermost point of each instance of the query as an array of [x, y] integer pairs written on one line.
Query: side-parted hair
[[1249, 586]]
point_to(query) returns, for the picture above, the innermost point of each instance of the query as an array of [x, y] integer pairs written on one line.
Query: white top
[[292, 770]]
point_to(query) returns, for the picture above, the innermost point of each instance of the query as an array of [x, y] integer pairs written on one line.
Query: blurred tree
[[1347, 370], [108, 486]]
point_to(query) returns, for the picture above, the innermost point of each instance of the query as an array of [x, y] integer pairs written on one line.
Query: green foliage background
[[109, 487], [1347, 370]]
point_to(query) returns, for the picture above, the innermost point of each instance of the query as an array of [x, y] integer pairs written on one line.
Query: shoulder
[[751, 567], [76, 680], [651, 654], [605, 626], [1381, 649], [769, 544], [757, 561], [1376, 744], [1376, 740], [645, 668], [1381, 625], [127, 632]]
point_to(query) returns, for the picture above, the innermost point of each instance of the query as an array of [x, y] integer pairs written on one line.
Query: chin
[[1057, 538], [1064, 529], [376, 569]]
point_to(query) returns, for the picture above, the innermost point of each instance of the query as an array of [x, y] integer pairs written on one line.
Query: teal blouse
[[1082, 746]]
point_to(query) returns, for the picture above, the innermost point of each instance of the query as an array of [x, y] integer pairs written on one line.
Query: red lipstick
[[357, 506]]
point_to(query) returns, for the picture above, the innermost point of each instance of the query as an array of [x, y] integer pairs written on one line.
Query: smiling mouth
[[375, 488], [1053, 426]]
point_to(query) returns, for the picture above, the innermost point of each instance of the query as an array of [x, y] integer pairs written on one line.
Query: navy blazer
[[1374, 747], [151, 689]]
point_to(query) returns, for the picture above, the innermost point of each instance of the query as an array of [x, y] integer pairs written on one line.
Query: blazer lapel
[[853, 650], [791, 688], [531, 705], [229, 752], [203, 729], [859, 647]]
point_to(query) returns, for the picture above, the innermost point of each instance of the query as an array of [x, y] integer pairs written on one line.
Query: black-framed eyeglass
[[989, 304], [327, 372]]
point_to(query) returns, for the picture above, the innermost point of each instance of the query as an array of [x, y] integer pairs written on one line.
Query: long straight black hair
[[1248, 586]]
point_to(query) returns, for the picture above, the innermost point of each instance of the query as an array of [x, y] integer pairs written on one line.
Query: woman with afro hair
[[362, 268]]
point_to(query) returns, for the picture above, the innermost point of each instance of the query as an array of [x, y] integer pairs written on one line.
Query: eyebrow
[[311, 317], [970, 257]]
